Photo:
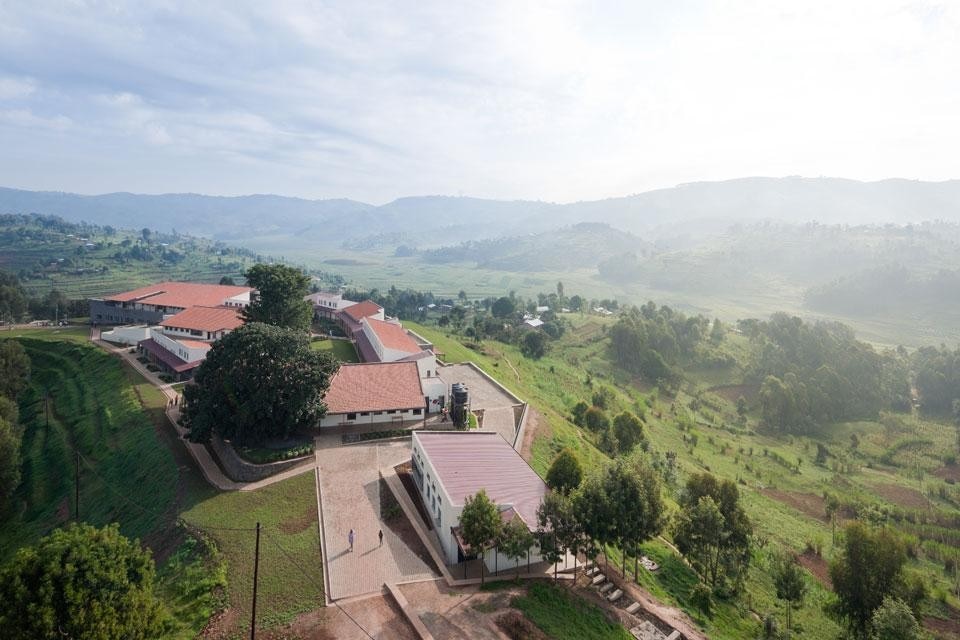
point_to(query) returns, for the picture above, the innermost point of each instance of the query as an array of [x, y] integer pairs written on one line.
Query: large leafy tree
[[280, 299], [80, 582], [480, 523], [629, 431], [565, 473], [867, 570], [713, 530], [258, 382]]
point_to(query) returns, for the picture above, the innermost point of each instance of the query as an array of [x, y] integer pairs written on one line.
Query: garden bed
[[353, 438]]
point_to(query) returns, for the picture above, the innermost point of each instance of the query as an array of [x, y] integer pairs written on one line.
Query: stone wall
[[239, 470]]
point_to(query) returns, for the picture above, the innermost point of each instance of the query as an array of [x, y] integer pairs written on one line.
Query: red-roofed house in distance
[[449, 466]]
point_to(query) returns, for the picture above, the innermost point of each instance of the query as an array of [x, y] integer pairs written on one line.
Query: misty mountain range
[[662, 215]]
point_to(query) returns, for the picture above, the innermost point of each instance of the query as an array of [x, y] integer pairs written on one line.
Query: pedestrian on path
[[381, 537], [350, 540]]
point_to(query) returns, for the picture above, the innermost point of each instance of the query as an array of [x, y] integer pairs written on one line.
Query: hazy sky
[[549, 100]]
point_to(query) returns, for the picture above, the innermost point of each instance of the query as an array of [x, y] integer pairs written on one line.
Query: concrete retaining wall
[[239, 470]]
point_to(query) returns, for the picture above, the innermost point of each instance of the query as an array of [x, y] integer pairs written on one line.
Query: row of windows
[[353, 416]]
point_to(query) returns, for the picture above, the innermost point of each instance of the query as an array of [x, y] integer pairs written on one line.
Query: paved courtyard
[[498, 413], [350, 499]]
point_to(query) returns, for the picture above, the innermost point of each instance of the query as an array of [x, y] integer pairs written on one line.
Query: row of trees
[[816, 373]]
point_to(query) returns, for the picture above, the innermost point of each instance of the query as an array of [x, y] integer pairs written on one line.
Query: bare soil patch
[[949, 472], [902, 496], [304, 522], [536, 426], [806, 503], [460, 614], [817, 566], [378, 615], [733, 391], [944, 629]]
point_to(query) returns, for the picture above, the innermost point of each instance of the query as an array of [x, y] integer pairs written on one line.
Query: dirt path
[[536, 425]]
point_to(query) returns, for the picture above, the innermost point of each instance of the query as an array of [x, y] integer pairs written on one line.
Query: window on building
[[391, 411], [417, 412], [364, 413], [351, 416]]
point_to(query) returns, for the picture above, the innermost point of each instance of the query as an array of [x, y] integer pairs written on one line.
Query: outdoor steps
[[597, 579], [674, 636], [606, 587], [633, 607], [616, 595]]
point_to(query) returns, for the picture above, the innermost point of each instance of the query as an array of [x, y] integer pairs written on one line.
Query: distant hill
[[673, 217], [578, 246]]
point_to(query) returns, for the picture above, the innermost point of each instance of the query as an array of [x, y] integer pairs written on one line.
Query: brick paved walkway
[[350, 499]]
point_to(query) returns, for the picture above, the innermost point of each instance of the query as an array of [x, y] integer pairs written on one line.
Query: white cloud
[[565, 100]]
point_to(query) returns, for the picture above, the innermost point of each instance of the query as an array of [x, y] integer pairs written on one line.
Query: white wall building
[[449, 466]]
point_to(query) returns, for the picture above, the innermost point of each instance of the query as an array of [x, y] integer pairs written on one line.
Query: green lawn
[[291, 572], [563, 616], [343, 350]]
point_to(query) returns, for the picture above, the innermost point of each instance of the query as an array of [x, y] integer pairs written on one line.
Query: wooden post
[[256, 570]]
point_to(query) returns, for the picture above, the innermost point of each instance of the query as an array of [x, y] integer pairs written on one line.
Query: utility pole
[[256, 569], [76, 482]]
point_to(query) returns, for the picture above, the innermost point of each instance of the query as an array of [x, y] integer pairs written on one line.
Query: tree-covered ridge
[[651, 341], [816, 373]]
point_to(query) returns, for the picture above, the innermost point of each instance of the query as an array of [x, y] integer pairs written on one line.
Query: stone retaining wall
[[239, 470]]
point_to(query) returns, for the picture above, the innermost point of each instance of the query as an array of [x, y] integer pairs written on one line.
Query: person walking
[[380, 535], [350, 540]]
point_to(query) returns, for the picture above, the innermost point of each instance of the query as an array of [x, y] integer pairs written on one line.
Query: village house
[[449, 466]]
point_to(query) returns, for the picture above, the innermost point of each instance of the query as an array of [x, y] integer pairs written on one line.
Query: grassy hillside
[[134, 471], [781, 486], [94, 408], [84, 260]]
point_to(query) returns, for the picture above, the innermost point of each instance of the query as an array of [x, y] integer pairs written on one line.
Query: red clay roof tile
[[380, 386]]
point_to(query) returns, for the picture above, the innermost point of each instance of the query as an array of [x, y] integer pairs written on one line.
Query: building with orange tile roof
[[150, 304], [379, 392]]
